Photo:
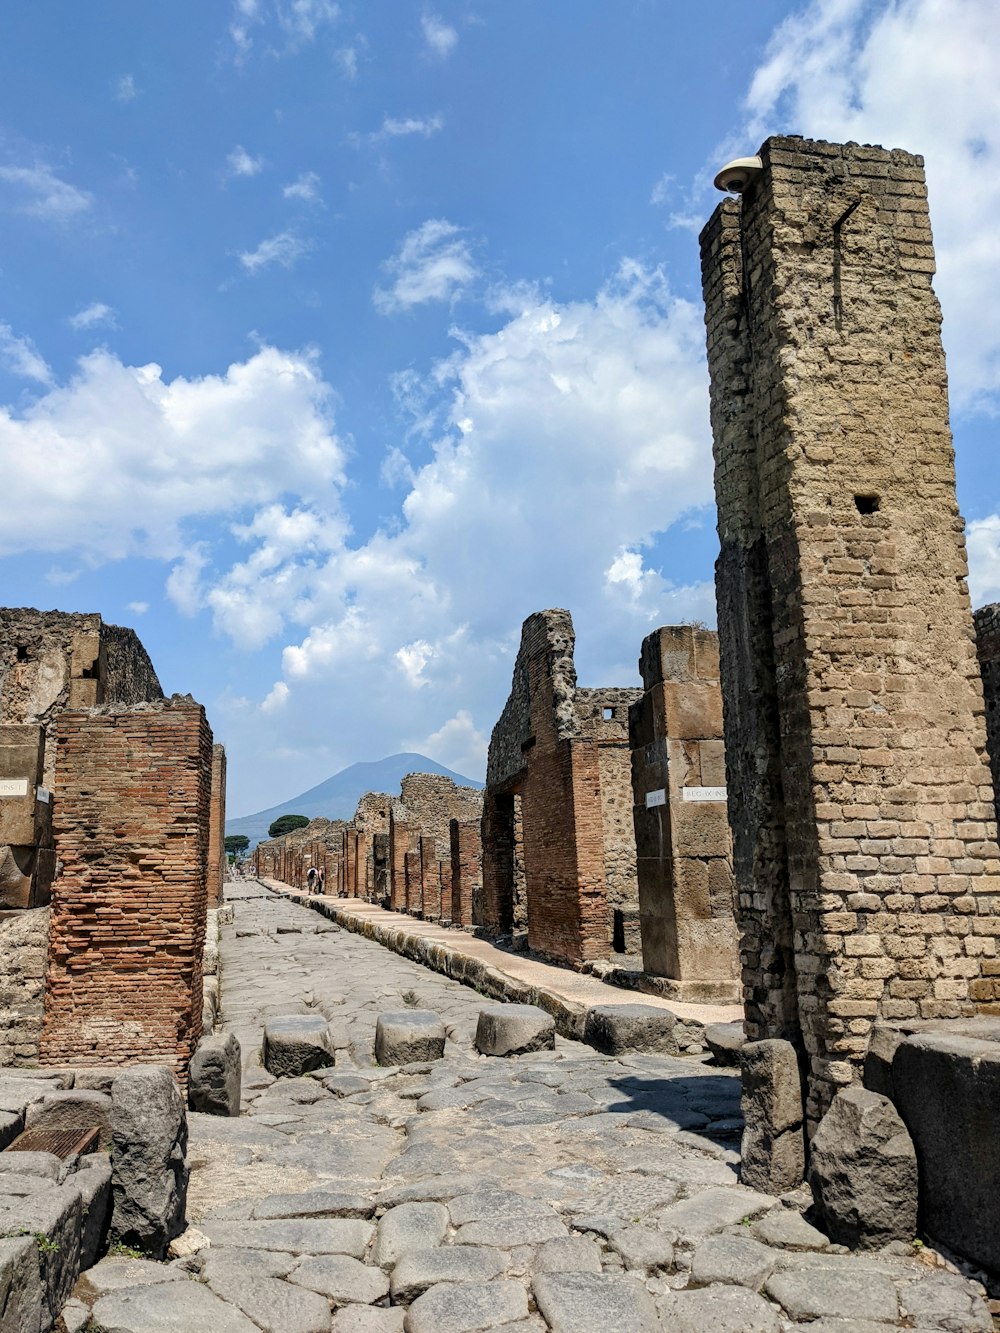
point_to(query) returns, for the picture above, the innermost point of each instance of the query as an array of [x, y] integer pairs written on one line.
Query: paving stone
[[363, 1319], [618, 1028], [226, 1261], [294, 1235], [294, 1044], [117, 1272], [275, 1306], [591, 1303], [787, 1229], [437, 1188], [23, 1295], [410, 1226], [342, 1084], [712, 1210], [418, 1270], [511, 1231], [944, 1300], [314, 1203], [341, 1279], [718, 1310], [407, 1036], [642, 1247], [813, 1292], [492, 1204], [575, 1254], [467, 1307], [177, 1307], [734, 1260], [514, 1029]]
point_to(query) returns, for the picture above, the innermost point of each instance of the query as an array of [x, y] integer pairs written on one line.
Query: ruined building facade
[[860, 795], [558, 795]]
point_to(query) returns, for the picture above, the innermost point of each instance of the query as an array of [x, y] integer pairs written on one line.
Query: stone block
[[725, 1041], [615, 1028], [407, 1036], [773, 1148], [149, 1171], [214, 1075], [296, 1043], [594, 1303], [93, 1180], [72, 1108], [514, 1029], [21, 1293], [947, 1091]]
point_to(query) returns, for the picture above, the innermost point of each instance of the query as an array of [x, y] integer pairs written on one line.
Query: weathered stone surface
[[214, 1075], [718, 1310], [734, 1260], [55, 1213], [712, 1210], [409, 1035], [116, 1272], [45, 1164], [532, 1229], [149, 1173], [341, 1279], [410, 1226], [314, 1203], [614, 1029], [788, 1230], [93, 1181], [944, 1300], [177, 1307], [725, 1041], [814, 1292], [418, 1270], [362, 1319], [296, 1043], [575, 1254], [947, 1091], [642, 1247], [588, 1303], [295, 1235], [773, 1149], [22, 1293], [863, 1171], [494, 1205], [467, 1307], [514, 1029], [72, 1109], [273, 1305]]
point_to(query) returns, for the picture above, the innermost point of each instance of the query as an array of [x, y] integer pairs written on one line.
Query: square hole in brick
[[867, 504], [608, 713]]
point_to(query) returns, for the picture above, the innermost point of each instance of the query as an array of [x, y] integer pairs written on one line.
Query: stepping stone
[[514, 1029], [615, 1029], [405, 1037], [468, 1307], [295, 1044], [214, 1075], [592, 1303]]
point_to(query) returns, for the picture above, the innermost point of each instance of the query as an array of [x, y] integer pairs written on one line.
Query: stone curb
[[570, 1017]]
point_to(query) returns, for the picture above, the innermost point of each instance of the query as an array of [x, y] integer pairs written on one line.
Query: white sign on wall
[[703, 793], [13, 786], [655, 798]]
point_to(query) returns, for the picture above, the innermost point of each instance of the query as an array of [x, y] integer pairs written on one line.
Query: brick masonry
[[859, 791], [988, 651], [217, 827], [124, 980], [686, 889]]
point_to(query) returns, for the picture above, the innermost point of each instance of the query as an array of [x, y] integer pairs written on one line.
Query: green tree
[[237, 842], [285, 824]]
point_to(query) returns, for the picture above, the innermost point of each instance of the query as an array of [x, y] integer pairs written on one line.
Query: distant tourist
[[321, 882], [311, 878]]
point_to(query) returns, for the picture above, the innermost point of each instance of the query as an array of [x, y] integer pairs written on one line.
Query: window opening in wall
[[91, 672], [867, 504], [608, 713], [22, 653]]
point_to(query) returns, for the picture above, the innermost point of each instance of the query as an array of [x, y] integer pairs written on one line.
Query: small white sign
[[43, 794], [655, 798], [703, 793], [13, 786]]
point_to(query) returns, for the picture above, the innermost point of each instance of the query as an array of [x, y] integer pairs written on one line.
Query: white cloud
[[39, 192], [241, 163], [21, 357], [434, 263], [304, 188], [125, 89], [347, 59], [95, 313], [276, 700], [138, 608], [297, 22], [285, 249], [400, 127], [983, 541], [457, 743], [412, 659], [119, 461], [921, 75], [441, 38]]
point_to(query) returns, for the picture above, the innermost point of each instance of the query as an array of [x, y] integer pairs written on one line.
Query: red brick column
[[466, 868], [131, 823], [400, 842], [430, 879], [444, 878], [414, 882], [217, 826]]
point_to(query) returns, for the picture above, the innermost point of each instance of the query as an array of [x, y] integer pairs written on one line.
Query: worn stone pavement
[[564, 1190]]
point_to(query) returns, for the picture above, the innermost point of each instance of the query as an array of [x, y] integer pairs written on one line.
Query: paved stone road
[[564, 1190]]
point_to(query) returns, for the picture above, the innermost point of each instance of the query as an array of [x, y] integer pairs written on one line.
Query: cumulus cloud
[[21, 357], [39, 192], [919, 75], [285, 250], [241, 163], [401, 127], [441, 39], [92, 315], [457, 743], [305, 189], [434, 263], [138, 608]]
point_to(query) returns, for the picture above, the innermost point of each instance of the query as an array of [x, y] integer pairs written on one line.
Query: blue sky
[[337, 338]]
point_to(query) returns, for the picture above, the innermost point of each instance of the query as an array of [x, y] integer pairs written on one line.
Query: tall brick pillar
[[466, 868], [988, 652], [401, 839], [414, 883], [217, 827], [859, 792], [429, 905], [124, 980], [686, 899]]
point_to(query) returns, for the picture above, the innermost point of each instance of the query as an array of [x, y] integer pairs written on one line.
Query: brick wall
[[124, 980], [217, 827], [987, 620], [401, 841], [466, 868], [860, 800]]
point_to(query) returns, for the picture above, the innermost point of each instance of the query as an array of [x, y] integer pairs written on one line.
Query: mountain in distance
[[337, 797]]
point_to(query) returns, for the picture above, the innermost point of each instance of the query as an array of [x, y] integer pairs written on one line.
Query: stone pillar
[[686, 898], [350, 863], [988, 651], [124, 982], [217, 827], [466, 868], [414, 883], [444, 880], [430, 880], [380, 867], [859, 790], [400, 842]]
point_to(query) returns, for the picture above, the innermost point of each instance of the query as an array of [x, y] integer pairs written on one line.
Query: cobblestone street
[[564, 1189]]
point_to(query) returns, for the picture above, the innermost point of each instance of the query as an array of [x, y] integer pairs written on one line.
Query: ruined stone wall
[[987, 620], [129, 676], [24, 942], [124, 980], [860, 799], [430, 801]]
